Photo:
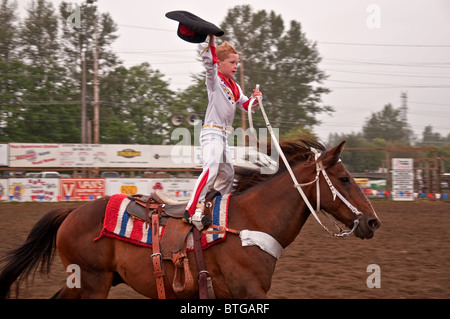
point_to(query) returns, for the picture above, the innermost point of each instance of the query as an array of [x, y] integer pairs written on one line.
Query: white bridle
[[319, 169]]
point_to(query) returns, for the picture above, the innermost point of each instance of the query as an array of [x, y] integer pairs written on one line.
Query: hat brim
[[200, 27]]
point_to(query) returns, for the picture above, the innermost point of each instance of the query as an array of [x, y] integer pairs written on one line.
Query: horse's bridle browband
[[319, 169]]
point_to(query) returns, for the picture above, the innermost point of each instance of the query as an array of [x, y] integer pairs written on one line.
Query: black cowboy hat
[[192, 28]]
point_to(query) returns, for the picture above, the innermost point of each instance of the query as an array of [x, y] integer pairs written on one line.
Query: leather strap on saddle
[[173, 247], [205, 286], [158, 270]]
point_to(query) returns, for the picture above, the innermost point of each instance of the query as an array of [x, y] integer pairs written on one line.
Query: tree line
[[41, 77], [40, 81]]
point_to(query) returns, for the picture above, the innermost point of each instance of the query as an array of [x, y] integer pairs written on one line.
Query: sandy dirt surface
[[411, 250]]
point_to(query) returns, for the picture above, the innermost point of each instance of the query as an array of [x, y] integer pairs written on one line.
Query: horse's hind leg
[[67, 293], [95, 285], [92, 261], [92, 286]]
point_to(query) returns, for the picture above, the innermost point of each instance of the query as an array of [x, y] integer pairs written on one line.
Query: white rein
[[319, 169]]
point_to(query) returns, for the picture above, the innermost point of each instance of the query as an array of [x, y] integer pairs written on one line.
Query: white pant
[[217, 163]]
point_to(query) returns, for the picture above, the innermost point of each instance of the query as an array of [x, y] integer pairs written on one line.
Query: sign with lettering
[[76, 189], [33, 155], [33, 189], [402, 179], [82, 155]]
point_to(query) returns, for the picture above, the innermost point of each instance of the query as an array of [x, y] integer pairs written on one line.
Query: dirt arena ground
[[411, 249]]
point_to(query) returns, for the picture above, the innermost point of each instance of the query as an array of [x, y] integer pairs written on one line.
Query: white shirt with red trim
[[221, 101]]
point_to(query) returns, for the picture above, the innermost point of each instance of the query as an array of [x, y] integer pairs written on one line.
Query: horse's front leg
[[240, 272]]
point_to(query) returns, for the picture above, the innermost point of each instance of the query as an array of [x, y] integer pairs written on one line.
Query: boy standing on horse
[[224, 96]]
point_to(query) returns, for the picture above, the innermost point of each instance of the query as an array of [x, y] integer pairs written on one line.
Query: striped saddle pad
[[120, 225]]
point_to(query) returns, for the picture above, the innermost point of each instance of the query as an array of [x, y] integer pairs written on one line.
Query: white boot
[[196, 219]]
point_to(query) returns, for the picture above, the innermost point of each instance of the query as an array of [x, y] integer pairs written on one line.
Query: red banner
[[81, 188]]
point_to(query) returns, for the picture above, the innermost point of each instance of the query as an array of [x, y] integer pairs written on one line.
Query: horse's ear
[[331, 157]]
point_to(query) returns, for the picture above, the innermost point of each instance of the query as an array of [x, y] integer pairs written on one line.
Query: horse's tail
[[39, 248]]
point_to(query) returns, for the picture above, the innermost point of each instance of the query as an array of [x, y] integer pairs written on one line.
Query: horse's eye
[[344, 179]]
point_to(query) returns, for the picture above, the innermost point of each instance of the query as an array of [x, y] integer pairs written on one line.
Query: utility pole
[[83, 96], [96, 90], [404, 107]]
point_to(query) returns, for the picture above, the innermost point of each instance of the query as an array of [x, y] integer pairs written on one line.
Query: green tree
[[35, 93], [136, 106], [386, 124], [76, 42], [432, 138], [39, 35], [32, 109], [284, 62], [190, 102], [8, 31], [359, 160]]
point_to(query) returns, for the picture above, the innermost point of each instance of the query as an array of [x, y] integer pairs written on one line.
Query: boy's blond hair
[[224, 50]]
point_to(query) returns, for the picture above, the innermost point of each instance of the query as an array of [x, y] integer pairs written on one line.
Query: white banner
[[402, 179], [171, 156], [33, 189], [127, 186], [82, 155], [180, 188], [4, 154], [101, 155], [33, 155], [4, 189], [128, 155]]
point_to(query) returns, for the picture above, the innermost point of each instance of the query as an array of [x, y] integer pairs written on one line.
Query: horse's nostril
[[374, 223]]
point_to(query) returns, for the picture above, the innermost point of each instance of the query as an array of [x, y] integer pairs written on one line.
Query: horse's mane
[[296, 151]]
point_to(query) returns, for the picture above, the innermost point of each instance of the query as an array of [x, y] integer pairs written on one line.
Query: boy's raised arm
[[212, 40]]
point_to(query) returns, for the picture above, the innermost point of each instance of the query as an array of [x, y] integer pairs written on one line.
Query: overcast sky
[[372, 50]]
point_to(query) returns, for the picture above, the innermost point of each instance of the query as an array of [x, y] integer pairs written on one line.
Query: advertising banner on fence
[[81, 189], [4, 154], [128, 155], [402, 179], [33, 189], [177, 187], [127, 186], [33, 155], [180, 188], [4, 189], [100, 155], [171, 156], [82, 155]]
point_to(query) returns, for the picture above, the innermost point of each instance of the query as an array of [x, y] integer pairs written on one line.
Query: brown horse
[[268, 204]]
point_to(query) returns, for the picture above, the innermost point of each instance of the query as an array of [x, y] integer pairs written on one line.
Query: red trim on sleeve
[[245, 104], [214, 55]]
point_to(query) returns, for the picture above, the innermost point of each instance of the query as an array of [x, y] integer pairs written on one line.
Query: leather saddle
[[173, 243], [172, 207]]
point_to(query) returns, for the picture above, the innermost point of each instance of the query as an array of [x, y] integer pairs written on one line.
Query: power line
[[428, 103], [412, 64], [144, 28], [391, 74], [388, 44]]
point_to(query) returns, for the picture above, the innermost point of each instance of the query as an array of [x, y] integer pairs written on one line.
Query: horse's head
[[338, 195], [347, 203]]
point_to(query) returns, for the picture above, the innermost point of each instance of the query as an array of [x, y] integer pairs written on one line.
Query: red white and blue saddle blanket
[[120, 225]]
